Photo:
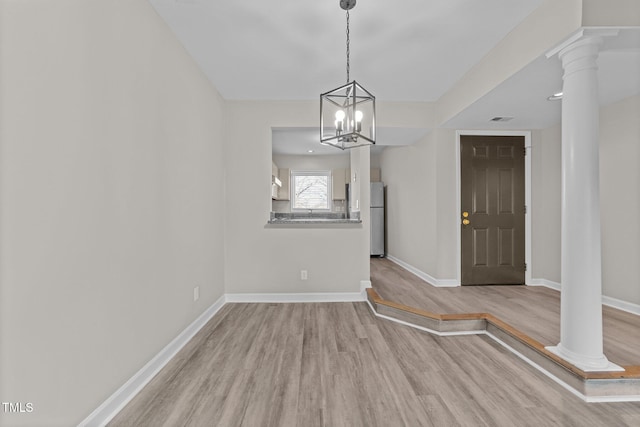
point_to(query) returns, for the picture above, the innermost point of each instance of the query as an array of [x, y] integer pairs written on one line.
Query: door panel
[[505, 249], [480, 191], [492, 193], [505, 191], [480, 241]]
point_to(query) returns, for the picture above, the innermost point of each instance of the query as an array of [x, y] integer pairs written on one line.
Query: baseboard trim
[[297, 298], [450, 283], [121, 397], [422, 328], [546, 283], [439, 283], [364, 285], [629, 307]]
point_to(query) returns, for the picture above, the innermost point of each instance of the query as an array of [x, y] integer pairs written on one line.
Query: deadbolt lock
[[465, 214], [465, 222]]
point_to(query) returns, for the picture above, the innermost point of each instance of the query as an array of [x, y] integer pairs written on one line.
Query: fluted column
[[581, 295]]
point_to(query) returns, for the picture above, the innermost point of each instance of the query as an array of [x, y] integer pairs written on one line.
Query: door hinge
[[525, 209], [525, 266], [525, 151]]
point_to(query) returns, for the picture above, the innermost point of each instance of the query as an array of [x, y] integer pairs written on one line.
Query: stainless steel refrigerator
[[377, 219]]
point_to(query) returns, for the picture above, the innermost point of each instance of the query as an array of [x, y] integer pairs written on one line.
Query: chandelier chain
[[348, 46]]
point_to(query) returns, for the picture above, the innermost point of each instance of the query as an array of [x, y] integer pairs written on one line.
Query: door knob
[[465, 222], [465, 214]]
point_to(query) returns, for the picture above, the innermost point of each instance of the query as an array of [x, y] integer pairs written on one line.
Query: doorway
[[492, 215]]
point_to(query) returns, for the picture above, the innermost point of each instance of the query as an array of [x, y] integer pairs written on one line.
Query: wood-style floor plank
[[534, 310], [335, 364]]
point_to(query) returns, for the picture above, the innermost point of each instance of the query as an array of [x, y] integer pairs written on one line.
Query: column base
[[586, 364]]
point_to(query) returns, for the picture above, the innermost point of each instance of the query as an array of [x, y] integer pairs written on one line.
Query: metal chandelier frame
[[351, 102]]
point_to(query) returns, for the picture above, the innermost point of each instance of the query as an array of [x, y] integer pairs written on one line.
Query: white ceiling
[[524, 95], [402, 50]]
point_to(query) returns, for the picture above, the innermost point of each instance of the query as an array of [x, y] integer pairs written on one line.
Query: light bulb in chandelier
[[339, 121]]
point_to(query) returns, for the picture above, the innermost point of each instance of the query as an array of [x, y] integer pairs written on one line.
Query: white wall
[[546, 186], [360, 181], [620, 199], [263, 258], [421, 203], [313, 162], [422, 216], [610, 13], [267, 258], [446, 205], [111, 202], [409, 174]]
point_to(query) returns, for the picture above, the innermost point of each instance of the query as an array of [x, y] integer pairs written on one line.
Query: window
[[310, 190]]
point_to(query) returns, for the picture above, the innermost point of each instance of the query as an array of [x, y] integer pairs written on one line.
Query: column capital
[[584, 35], [580, 55]]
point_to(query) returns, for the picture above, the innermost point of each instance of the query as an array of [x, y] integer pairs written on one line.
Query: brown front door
[[493, 210]]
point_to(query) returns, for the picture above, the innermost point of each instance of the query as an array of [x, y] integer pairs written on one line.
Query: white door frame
[[527, 196]]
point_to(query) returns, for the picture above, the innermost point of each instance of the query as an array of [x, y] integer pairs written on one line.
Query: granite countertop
[[314, 218]]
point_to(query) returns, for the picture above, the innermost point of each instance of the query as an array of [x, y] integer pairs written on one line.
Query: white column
[[581, 295]]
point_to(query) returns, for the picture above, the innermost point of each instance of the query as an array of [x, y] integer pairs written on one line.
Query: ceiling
[[402, 50], [300, 141], [524, 95], [407, 50]]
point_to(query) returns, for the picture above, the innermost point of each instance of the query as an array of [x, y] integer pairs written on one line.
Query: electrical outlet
[[196, 293], [303, 275]]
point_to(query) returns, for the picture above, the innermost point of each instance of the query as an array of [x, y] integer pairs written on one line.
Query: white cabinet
[[283, 192], [279, 182], [339, 177]]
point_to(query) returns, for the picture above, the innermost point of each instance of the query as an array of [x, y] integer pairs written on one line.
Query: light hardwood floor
[[335, 364], [534, 310]]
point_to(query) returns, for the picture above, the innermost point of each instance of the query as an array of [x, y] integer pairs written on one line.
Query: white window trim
[[292, 188]]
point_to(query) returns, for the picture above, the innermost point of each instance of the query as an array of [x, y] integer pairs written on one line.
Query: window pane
[[311, 192]]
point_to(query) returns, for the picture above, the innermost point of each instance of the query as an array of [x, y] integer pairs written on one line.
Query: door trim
[[527, 197]]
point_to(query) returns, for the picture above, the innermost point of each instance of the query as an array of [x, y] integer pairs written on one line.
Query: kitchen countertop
[[313, 218]]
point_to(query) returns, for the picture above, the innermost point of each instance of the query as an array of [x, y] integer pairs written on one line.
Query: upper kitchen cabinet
[[339, 177], [279, 182], [284, 175]]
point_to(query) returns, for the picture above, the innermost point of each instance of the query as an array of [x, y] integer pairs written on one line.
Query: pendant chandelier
[[348, 113]]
